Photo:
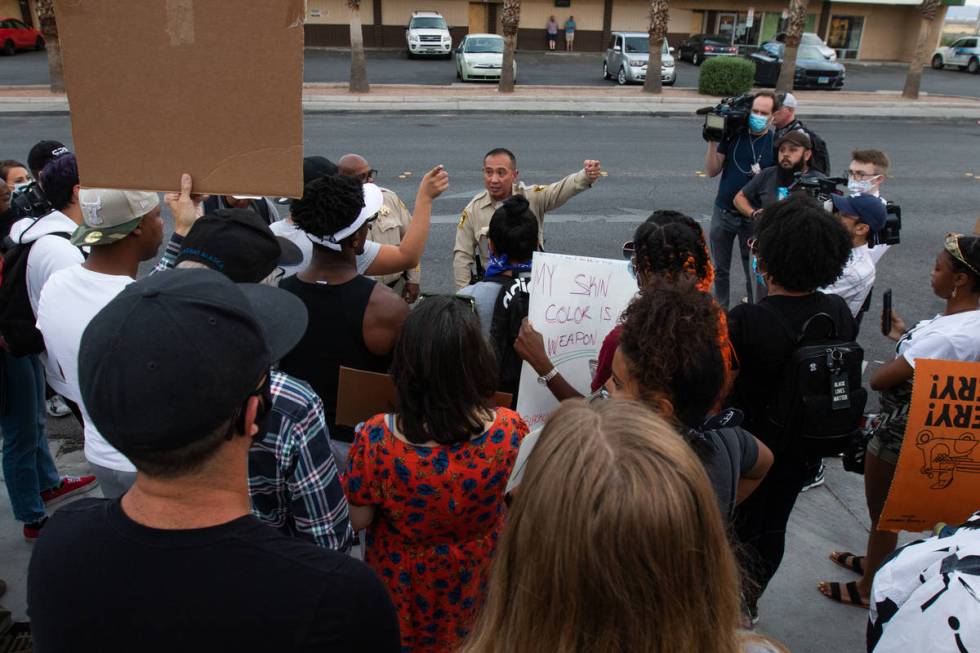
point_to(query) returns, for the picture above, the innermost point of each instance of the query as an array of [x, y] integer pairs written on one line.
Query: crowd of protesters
[[648, 514]]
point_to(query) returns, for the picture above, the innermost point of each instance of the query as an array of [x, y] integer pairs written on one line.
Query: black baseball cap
[[173, 355], [239, 244], [314, 167], [43, 152]]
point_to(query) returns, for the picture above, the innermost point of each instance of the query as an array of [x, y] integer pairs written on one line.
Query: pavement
[[535, 68], [562, 100], [652, 163]]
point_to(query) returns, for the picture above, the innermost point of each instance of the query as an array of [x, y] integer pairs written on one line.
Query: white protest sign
[[575, 302]]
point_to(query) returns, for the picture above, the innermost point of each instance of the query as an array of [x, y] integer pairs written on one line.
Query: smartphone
[[886, 313]]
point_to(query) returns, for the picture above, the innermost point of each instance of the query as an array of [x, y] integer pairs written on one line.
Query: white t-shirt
[[288, 230], [69, 301], [945, 337], [857, 279]]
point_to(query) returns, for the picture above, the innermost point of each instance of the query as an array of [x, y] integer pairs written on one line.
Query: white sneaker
[[57, 407]]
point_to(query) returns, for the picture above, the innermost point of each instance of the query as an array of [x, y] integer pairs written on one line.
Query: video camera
[[822, 189], [29, 202], [727, 119]]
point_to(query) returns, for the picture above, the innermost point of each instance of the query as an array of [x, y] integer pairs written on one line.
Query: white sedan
[[481, 56], [964, 54]]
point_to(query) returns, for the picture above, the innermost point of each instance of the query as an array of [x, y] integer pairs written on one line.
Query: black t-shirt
[[763, 348], [728, 454], [99, 581]]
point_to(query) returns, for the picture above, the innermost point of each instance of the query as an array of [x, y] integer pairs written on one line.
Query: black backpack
[[17, 321], [819, 157], [820, 402]]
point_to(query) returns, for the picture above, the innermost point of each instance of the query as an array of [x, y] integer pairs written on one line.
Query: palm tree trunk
[[358, 64], [794, 32], [913, 80], [49, 30], [510, 20], [659, 20]]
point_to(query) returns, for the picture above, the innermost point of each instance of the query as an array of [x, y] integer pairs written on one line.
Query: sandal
[[833, 591], [848, 560]]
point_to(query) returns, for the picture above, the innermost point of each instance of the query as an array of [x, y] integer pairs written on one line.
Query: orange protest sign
[[938, 473]]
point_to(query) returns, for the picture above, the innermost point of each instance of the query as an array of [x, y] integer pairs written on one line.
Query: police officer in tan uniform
[[500, 180], [389, 229]]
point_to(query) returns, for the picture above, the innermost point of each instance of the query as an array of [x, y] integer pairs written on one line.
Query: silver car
[[626, 59]]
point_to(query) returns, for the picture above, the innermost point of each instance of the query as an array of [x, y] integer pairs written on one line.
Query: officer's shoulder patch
[[537, 188], [462, 219]]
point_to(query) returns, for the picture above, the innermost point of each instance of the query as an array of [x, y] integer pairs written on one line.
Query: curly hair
[[970, 249], [670, 242], [671, 337], [328, 205], [800, 245], [444, 371], [514, 229]]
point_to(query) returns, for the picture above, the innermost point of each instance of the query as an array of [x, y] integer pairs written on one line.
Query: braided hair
[[328, 205], [670, 242]]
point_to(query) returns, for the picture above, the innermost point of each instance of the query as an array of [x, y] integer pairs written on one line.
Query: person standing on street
[[863, 216], [175, 373], [785, 121], [570, 34], [393, 222], [122, 229], [500, 179], [552, 29], [773, 183], [738, 160]]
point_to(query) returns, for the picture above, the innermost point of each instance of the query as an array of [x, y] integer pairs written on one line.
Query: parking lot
[[533, 68]]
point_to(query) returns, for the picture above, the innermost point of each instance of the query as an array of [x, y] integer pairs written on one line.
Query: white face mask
[[861, 186]]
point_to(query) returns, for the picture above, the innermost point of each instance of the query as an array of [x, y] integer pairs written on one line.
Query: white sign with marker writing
[[575, 302]]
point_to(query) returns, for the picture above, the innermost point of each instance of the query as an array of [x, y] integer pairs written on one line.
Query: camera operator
[[862, 216], [738, 160], [784, 120], [774, 183]]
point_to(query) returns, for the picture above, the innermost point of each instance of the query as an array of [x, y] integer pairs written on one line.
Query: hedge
[[726, 76]]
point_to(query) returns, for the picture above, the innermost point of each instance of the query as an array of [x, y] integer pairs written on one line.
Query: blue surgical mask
[[758, 124], [759, 279]]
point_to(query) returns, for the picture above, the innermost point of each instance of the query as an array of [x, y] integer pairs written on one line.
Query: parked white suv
[[964, 54], [428, 34]]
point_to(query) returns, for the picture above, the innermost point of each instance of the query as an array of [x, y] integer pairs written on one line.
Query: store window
[[845, 35]]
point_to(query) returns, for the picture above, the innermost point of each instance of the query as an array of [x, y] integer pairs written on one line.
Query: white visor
[[372, 204]]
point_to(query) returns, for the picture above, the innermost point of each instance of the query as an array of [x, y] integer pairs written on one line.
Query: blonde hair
[[614, 543]]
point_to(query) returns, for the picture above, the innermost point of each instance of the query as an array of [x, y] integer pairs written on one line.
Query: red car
[[15, 35]]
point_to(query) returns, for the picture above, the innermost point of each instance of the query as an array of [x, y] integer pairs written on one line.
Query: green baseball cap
[[109, 215]]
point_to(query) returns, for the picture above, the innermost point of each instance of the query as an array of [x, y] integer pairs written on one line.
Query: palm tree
[[510, 20], [928, 10], [659, 19], [794, 32], [358, 65], [49, 30]]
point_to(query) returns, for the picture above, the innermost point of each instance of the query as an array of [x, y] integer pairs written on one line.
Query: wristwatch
[[543, 380]]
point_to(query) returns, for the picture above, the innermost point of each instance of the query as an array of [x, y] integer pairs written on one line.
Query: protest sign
[[364, 394], [938, 473], [210, 87], [575, 303]]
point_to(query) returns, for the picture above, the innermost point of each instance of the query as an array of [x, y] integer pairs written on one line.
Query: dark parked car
[[701, 46], [813, 70]]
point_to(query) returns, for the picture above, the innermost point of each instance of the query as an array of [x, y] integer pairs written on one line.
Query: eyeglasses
[[861, 176], [469, 300], [952, 246]]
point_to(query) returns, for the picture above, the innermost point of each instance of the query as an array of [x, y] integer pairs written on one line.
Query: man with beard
[[772, 184]]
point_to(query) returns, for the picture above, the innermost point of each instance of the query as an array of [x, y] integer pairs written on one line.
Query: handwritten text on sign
[[938, 473], [575, 303]]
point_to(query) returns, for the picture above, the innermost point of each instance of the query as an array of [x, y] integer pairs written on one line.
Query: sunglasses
[[952, 246]]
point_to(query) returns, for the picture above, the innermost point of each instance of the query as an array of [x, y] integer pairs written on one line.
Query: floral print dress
[[439, 511]]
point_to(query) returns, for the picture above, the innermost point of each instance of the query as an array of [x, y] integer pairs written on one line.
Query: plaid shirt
[[293, 478]]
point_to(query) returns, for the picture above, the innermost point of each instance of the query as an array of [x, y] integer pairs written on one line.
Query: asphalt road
[[652, 164], [533, 68]]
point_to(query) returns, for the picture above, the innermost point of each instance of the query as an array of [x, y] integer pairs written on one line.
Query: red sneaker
[[33, 531], [69, 486]]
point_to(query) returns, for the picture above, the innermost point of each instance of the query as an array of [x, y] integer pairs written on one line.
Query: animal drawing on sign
[[941, 457]]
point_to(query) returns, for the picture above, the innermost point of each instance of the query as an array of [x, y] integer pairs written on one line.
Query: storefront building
[[870, 30]]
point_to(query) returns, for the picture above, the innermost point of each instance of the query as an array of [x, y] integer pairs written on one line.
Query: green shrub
[[726, 76]]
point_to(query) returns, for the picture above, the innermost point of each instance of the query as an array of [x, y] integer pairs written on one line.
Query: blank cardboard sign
[[209, 87]]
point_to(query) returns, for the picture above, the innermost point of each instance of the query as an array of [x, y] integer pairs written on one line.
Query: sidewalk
[[466, 98]]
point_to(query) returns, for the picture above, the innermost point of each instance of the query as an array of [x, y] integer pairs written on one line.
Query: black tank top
[[334, 338]]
